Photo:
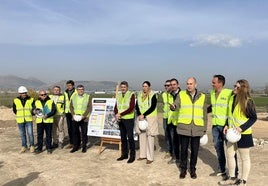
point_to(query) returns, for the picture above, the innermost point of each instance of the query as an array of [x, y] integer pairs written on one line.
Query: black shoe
[[183, 174], [193, 174], [224, 177], [73, 150], [122, 158], [49, 151], [84, 149], [37, 151], [240, 182], [131, 159], [54, 145]]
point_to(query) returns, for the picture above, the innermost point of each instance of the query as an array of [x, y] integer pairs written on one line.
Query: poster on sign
[[102, 122]]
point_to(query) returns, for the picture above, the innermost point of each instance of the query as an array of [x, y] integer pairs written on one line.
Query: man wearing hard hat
[[22, 107]]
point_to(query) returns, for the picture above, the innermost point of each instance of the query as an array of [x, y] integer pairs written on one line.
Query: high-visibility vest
[[144, 105], [59, 104], [237, 117], [80, 103], [173, 115], [189, 111], [123, 103], [39, 105], [68, 101], [167, 99], [220, 106], [23, 112]]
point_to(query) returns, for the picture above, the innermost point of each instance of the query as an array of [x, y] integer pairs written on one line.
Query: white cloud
[[220, 40]]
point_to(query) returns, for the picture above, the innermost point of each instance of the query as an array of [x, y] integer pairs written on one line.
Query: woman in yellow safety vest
[[146, 110], [241, 115]]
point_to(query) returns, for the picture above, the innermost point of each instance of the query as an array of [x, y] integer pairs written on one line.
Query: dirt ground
[[82, 169]]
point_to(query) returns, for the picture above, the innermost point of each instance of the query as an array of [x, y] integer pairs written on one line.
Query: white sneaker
[[32, 149], [220, 173], [23, 149]]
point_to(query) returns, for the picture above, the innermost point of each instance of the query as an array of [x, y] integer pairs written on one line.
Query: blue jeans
[[24, 128], [175, 142], [218, 140], [167, 137]]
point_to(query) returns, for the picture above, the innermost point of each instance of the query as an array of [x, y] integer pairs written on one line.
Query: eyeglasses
[[43, 94], [235, 86], [166, 85]]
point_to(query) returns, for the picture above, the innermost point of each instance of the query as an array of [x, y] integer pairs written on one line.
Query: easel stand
[[110, 141]]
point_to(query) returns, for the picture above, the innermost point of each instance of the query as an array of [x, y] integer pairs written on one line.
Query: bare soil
[[81, 169]]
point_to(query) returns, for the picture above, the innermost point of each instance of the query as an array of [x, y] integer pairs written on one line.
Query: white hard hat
[[22, 89], [204, 140], [77, 118], [143, 124], [39, 113], [233, 135]]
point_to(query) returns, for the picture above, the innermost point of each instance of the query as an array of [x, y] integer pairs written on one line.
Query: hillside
[[11, 83]]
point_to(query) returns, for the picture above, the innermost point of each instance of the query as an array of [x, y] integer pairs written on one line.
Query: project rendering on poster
[[102, 122]]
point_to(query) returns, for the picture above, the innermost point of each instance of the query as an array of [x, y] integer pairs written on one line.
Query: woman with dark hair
[[147, 110], [241, 116]]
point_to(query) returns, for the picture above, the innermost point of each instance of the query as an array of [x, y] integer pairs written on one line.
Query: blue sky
[[135, 40]]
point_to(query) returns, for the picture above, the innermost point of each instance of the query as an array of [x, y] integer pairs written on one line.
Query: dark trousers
[[174, 141], [77, 134], [69, 126], [195, 142], [126, 127], [41, 128]]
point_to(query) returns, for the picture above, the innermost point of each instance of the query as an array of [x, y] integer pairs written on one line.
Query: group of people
[[50, 112], [230, 109], [184, 122]]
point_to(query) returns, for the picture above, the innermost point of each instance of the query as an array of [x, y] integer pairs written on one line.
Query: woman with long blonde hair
[[241, 116]]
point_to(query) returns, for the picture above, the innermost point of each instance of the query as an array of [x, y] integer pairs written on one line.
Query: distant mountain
[[12, 83]]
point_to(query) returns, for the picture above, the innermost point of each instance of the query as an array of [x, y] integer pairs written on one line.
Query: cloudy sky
[[135, 40]]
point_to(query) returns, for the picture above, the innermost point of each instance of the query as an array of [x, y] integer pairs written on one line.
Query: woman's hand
[[225, 129], [141, 117]]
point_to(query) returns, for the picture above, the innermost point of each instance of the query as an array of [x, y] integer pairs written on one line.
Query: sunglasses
[[167, 85], [43, 94], [235, 86]]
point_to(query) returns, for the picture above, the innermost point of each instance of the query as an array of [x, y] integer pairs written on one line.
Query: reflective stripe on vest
[[39, 105], [59, 103], [191, 111], [167, 98], [123, 104], [220, 106], [80, 103], [237, 117], [144, 105], [68, 101], [23, 113]]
